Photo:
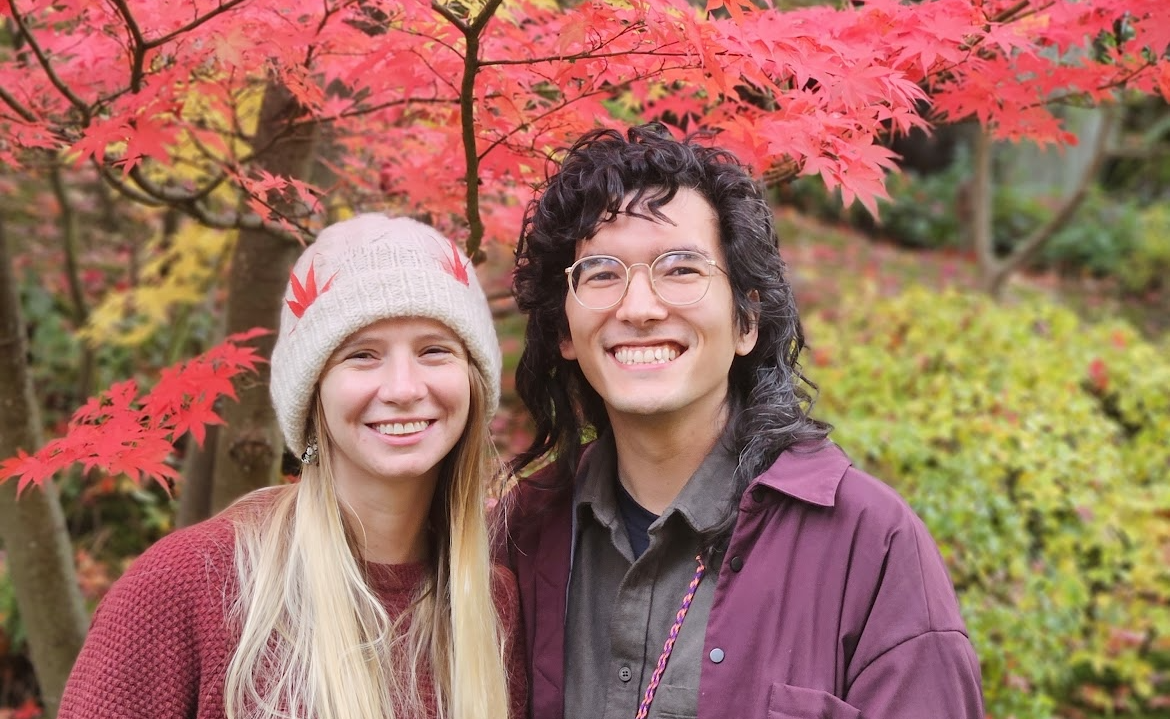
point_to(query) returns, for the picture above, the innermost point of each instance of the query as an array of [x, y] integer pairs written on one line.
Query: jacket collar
[[809, 472]]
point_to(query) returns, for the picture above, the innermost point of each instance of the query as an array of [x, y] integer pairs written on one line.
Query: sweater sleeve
[[142, 656], [507, 598]]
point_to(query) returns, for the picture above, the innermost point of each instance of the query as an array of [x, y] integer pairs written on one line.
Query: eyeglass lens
[[679, 278]]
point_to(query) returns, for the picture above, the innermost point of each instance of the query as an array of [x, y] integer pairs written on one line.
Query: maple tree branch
[[594, 54], [68, 221], [567, 101], [471, 66], [9, 100], [43, 60], [188, 206], [223, 7], [122, 188], [450, 16], [138, 51], [484, 17]]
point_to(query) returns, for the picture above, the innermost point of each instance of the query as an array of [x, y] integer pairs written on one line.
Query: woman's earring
[[309, 456]]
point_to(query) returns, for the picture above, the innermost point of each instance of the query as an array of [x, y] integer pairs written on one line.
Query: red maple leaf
[[1099, 374], [121, 432], [307, 293], [454, 265], [28, 710]]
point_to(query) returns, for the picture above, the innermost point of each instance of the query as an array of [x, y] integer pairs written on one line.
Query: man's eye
[[602, 276]]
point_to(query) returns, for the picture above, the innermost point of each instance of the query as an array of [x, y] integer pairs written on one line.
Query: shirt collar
[[702, 502]]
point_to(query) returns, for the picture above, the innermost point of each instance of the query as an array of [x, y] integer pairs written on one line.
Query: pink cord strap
[[652, 687]]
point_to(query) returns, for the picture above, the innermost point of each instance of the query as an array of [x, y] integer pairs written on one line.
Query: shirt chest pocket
[[674, 702], [789, 702]]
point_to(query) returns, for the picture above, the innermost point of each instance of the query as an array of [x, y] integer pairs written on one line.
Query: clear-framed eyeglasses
[[681, 277]]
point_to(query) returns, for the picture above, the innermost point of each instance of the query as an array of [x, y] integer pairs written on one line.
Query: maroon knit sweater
[[159, 645]]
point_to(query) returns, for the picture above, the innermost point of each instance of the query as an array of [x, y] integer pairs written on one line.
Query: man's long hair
[[768, 398]]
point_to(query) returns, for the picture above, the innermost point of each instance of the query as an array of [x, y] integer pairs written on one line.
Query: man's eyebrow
[[659, 251]]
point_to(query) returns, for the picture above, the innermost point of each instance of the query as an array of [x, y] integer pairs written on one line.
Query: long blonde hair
[[315, 640]]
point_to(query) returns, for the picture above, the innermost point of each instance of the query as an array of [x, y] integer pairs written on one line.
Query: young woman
[[365, 590]]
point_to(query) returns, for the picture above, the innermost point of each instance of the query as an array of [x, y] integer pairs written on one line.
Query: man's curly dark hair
[[768, 398]]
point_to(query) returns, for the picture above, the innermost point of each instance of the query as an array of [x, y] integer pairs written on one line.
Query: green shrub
[[1147, 265], [933, 212], [1035, 448], [1097, 240]]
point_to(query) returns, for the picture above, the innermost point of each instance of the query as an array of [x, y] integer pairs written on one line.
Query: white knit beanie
[[366, 269]]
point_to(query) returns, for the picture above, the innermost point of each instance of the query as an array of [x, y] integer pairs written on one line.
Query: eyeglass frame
[[649, 273]]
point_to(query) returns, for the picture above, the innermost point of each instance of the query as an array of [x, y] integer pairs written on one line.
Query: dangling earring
[[309, 456]]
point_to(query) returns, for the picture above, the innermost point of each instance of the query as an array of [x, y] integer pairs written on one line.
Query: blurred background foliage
[[1030, 433]]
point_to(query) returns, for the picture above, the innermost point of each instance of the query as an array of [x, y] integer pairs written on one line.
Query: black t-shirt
[[637, 520]]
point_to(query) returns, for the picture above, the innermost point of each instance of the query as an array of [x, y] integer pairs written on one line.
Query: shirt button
[[736, 563], [717, 655], [757, 494], [625, 674]]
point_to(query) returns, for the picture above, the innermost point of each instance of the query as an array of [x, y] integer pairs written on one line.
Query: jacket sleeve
[[912, 658], [930, 676], [140, 658]]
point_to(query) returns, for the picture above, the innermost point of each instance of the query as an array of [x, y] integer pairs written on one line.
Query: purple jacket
[[832, 601]]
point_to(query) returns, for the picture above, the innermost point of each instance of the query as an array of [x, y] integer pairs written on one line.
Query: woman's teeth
[[398, 428]]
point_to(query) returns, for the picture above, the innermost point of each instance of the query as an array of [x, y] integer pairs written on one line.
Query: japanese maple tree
[[452, 109]]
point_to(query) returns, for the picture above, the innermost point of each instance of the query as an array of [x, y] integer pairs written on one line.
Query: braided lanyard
[[656, 677]]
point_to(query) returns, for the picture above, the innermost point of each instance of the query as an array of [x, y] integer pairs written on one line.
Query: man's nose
[[641, 303]]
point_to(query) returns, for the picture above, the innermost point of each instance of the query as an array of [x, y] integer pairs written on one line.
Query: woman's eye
[[362, 355]]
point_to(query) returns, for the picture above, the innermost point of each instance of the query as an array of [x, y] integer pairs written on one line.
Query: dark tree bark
[[40, 556], [198, 480], [249, 447], [995, 272]]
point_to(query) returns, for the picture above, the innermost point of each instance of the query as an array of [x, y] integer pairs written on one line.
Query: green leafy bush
[[1147, 265], [934, 212], [1035, 448]]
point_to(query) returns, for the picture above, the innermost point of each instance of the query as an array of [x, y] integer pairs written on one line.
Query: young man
[[711, 553]]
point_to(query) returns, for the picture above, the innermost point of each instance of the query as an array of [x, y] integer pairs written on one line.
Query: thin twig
[[43, 59]]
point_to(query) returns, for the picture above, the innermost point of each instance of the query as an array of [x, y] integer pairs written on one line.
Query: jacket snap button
[[757, 494], [716, 655], [625, 674], [736, 563]]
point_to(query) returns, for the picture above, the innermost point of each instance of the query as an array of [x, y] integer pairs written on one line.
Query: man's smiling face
[[645, 357]]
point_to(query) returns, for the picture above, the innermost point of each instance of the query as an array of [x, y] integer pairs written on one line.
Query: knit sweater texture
[[160, 641]]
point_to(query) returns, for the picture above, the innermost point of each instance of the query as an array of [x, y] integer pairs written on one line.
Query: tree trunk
[[39, 553], [249, 448], [198, 480], [993, 272]]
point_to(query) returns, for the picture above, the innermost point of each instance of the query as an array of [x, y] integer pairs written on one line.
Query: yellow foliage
[[181, 270]]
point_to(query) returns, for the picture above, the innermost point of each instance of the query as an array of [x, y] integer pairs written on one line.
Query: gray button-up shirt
[[620, 610]]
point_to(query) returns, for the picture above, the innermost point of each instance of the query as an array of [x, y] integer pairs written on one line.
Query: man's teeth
[[645, 355], [401, 427]]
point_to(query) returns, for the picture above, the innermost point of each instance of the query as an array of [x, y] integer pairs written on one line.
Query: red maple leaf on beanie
[[454, 266], [307, 293]]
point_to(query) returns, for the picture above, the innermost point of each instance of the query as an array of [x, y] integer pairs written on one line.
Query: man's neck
[[656, 455]]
